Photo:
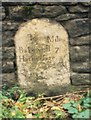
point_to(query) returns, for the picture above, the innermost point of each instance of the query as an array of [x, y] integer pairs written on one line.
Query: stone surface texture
[[42, 55], [75, 18]]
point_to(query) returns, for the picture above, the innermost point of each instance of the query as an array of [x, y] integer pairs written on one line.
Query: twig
[[59, 97]]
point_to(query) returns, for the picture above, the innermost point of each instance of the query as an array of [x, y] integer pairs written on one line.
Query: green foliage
[[83, 114], [79, 108], [13, 92], [59, 114], [14, 104]]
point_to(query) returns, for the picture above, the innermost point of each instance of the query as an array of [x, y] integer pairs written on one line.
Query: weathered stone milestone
[[42, 56]]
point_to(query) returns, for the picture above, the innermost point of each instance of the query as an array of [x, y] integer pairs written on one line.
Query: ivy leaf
[[75, 104], [87, 100], [67, 105], [72, 101], [84, 114], [72, 110], [81, 100], [86, 105]]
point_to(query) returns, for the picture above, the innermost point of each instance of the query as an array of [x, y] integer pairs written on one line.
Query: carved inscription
[[42, 55], [41, 48]]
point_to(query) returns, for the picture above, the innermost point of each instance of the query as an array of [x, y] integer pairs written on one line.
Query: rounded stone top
[[44, 26], [42, 56]]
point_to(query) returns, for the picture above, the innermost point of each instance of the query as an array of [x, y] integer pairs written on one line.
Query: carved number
[[56, 49]]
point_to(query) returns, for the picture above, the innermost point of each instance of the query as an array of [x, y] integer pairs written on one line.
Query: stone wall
[[75, 19]]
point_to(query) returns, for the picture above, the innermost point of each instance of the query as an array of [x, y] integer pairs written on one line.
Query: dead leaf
[[66, 101], [55, 108], [79, 107], [29, 116], [19, 104], [49, 104]]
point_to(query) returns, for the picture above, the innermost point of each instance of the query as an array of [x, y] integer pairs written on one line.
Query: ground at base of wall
[[17, 104]]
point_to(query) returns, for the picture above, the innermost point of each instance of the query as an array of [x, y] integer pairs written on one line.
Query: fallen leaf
[[29, 116], [55, 108], [49, 104], [66, 100], [79, 107]]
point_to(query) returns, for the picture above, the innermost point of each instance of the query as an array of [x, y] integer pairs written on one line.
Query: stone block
[[8, 53], [86, 3], [80, 79], [2, 12], [68, 16], [9, 26], [7, 67], [47, 11], [83, 40], [77, 54], [82, 67], [78, 27], [78, 9], [42, 56], [8, 42], [8, 78]]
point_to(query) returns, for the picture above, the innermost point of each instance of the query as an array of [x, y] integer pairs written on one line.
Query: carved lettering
[[53, 39], [24, 58], [42, 56]]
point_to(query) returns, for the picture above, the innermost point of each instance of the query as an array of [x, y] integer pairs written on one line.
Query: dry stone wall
[[75, 19]]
